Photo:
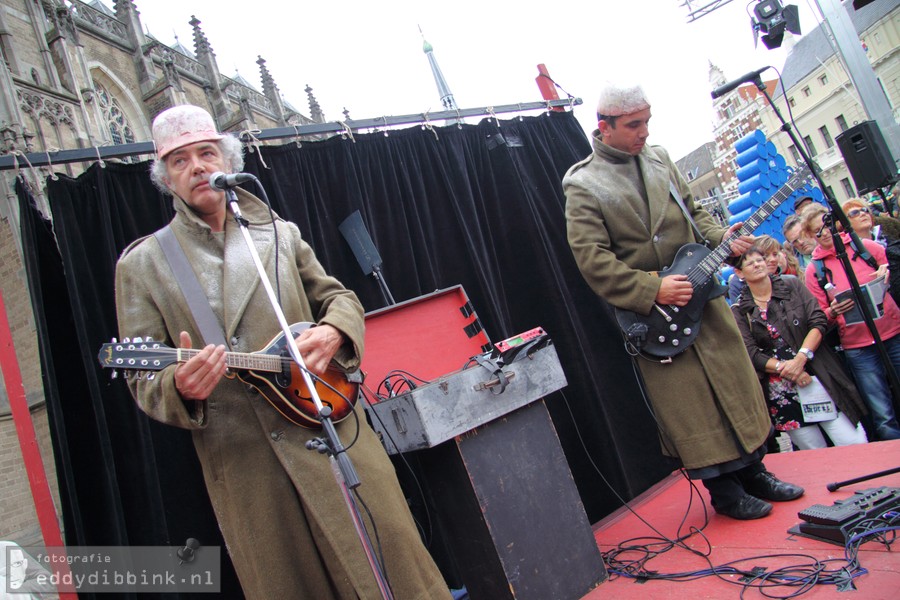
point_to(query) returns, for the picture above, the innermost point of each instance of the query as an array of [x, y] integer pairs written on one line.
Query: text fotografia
[[120, 569]]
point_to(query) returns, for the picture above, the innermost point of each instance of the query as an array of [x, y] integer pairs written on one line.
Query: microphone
[[724, 89], [221, 181]]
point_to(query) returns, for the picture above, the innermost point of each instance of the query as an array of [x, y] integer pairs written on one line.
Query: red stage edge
[[31, 455]]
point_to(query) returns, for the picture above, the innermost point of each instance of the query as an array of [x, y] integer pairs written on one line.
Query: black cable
[[427, 534]]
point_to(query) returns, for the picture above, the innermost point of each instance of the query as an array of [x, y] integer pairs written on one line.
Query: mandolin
[[271, 371]]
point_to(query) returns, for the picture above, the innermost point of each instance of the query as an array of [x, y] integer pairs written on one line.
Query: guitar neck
[[239, 360], [714, 260]]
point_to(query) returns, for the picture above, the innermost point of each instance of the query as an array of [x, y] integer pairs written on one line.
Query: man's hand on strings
[[198, 377], [739, 244], [318, 345], [675, 290]]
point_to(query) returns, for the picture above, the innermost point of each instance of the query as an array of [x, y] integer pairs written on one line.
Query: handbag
[[815, 402]]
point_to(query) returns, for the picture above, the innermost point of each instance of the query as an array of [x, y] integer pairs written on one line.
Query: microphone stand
[[831, 220], [343, 469]]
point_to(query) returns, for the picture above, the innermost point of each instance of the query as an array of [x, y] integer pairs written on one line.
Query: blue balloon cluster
[[761, 171]]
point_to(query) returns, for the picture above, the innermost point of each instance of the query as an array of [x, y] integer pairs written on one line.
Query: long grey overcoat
[[709, 395], [278, 506]]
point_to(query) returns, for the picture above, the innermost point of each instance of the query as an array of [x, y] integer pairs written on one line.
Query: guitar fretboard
[[239, 360]]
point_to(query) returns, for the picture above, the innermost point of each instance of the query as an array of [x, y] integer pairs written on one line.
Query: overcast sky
[[367, 56]]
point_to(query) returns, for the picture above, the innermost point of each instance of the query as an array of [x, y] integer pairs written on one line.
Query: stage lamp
[[773, 19]]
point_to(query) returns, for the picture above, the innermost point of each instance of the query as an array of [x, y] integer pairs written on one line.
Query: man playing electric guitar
[[278, 505], [625, 225]]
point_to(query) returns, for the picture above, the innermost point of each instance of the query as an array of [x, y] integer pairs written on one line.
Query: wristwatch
[[809, 353]]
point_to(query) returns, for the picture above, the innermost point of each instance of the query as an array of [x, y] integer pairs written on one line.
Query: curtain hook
[[37, 179], [490, 110], [53, 175], [254, 145], [384, 118], [519, 104], [347, 131], [297, 136], [100, 160], [427, 125]]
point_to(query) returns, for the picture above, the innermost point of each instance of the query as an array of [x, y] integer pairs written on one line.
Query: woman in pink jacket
[[862, 356]]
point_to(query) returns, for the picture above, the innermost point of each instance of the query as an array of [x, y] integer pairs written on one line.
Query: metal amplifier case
[[459, 402]]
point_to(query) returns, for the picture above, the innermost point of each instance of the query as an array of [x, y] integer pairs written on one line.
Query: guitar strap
[[700, 237], [197, 301]]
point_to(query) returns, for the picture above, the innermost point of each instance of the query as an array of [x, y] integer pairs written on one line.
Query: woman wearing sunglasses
[[882, 228], [862, 357]]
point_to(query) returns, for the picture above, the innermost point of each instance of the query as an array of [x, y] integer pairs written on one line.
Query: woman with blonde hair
[[882, 228]]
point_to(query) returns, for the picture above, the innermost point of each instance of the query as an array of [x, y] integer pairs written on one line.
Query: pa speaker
[[867, 157]]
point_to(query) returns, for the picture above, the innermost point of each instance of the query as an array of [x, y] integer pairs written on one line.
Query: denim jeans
[[872, 381]]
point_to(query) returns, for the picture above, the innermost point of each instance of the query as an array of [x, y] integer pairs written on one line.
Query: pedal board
[[836, 523]]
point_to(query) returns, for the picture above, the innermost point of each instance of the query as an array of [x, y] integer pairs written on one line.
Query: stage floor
[[670, 504]]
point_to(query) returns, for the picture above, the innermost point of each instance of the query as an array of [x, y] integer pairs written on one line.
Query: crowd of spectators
[[806, 338]]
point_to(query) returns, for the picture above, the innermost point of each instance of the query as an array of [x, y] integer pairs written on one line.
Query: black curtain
[[476, 205]]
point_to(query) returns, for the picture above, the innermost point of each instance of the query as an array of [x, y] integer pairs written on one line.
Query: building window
[[823, 79], [791, 102], [826, 137], [829, 192], [806, 92], [116, 122], [809, 145], [848, 188], [841, 122], [795, 153]]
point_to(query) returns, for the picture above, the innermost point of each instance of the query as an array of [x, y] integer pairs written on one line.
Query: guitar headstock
[[799, 178], [136, 354]]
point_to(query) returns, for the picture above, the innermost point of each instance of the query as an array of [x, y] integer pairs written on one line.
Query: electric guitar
[[271, 371], [670, 330]]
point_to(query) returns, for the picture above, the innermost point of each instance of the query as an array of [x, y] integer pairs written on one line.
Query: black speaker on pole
[[867, 157]]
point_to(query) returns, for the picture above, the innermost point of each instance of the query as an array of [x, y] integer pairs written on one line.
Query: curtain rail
[[43, 159]]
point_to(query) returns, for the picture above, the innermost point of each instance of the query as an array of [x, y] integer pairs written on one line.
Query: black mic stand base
[[834, 486]]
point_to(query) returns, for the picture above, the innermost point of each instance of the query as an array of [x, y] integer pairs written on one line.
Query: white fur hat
[[180, 126], [616, 101]]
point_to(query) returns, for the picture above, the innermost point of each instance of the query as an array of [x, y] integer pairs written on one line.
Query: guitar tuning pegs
[[149, 339], [114, 374], [126, 340], [138, 340], [151, 376], [114, 341]]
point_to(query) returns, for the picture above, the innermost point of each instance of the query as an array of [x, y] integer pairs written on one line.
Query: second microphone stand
[[831, 220], [343, 469]]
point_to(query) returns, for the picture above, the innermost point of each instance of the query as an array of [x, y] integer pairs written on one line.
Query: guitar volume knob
[[662, 339], [687, 331], [675, 342], [673, 327]]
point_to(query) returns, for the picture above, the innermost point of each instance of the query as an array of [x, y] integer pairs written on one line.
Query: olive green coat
[[621, 236], [280, 510]]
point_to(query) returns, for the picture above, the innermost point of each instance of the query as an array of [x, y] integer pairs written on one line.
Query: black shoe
[[767, 486], [745, 509]]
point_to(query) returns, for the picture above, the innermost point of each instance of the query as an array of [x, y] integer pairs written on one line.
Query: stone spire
[[443, 89], [127, 13], [270, 90], [207, 58], [716, 76], [315, 111]]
